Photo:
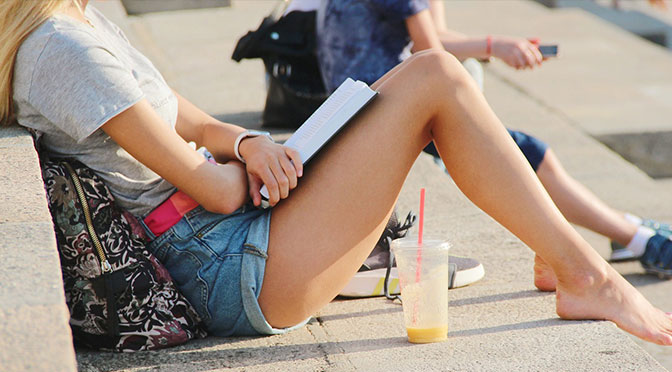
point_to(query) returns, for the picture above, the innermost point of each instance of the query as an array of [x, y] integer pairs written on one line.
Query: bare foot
[[544, 277], [613, 298]]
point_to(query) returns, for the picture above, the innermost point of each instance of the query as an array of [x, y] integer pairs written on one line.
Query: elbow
[[227, 200], [226, 194], [223, 205]]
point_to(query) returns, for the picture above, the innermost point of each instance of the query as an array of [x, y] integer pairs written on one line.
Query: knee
[[550, 166], [435, 65]]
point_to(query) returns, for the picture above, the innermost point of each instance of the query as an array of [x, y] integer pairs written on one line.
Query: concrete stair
[[34, 330]]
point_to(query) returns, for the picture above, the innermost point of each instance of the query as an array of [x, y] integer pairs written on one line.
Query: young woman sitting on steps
[[69, 74]]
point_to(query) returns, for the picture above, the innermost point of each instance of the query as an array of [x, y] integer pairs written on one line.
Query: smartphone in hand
[[548, 51]]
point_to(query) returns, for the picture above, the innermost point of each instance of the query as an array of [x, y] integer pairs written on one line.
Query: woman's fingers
[[279, 170], [255, 185], [282, 180], [295, 157], [519, 59], [530, 61], [271, 184], [538, 57], [290, 172]]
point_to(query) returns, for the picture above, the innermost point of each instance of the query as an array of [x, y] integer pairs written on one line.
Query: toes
[[664, 339]]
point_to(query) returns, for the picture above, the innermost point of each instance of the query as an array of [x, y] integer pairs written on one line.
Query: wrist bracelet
[[488, 45], [245, 134]]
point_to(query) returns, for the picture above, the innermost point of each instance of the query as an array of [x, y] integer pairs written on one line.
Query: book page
[[322, 115], [328, 119]]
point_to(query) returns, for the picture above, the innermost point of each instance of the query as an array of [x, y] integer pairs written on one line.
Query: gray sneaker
[[378, 275]]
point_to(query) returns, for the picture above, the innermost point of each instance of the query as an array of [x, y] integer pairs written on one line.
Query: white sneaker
[[462, 271]]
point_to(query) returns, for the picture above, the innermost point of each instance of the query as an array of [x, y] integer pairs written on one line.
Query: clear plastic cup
[[423, 276]]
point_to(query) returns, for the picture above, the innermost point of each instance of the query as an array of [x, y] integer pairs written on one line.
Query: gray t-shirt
[[70, 78]]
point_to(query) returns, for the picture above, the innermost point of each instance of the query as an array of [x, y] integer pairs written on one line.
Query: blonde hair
[[18, 18]]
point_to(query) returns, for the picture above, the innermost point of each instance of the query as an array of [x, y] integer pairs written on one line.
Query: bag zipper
[[105, 266]]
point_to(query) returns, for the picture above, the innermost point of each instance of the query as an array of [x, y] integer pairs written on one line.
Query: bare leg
[[579, 206], [323, 232]]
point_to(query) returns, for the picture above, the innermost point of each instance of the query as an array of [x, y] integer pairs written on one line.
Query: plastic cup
[[423, 276]]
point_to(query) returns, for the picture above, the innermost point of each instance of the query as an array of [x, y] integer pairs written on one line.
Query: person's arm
[[194, 125], [422, 32], [220, 188], [276, 166], [516, 52]]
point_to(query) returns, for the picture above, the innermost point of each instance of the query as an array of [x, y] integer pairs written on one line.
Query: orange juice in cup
[[423, 276]]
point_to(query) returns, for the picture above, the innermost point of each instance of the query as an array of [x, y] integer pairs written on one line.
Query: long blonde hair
[[18, 18]]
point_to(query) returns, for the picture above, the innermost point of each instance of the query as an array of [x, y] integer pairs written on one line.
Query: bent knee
[[550, 166], [285, 312], [433, 63]]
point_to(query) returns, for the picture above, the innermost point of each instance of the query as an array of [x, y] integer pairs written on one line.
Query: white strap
[[236, 145]]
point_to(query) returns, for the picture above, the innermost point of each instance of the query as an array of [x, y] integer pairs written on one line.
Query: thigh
[[322, 233]]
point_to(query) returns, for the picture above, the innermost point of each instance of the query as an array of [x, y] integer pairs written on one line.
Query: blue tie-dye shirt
[[363, 39]]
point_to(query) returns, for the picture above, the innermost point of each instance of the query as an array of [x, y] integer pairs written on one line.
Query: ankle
[[584, 278]]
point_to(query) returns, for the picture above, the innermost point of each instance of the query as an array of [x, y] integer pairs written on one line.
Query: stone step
[[606, 80], [145, 6], [34, 330], [637, 17]]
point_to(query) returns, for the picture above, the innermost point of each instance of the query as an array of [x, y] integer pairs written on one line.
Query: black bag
[[120, 297], [287, 47]]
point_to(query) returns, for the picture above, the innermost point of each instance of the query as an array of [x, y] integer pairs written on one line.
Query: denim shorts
[[217, 261], [533, 148]]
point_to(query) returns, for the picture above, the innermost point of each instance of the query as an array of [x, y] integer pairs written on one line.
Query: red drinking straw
[[418, 266], [422, 215], [420, 223]]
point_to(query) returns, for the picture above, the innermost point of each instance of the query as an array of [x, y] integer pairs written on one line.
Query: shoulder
[[53, 37], [57, 37], [59, 51], [65, 44]]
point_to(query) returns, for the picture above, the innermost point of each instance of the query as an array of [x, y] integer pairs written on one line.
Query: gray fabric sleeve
[[79, 85]]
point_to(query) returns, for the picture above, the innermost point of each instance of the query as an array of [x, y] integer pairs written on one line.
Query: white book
[[341, 106]]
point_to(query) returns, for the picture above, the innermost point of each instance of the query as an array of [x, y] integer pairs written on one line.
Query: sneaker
[[378, 275], [619, 253], [657, 258]]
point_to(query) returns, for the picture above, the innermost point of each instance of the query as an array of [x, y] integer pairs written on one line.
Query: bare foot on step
[[611, 297], [544, 277]]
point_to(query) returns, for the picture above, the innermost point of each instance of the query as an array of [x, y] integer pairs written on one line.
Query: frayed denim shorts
[[217, 261]]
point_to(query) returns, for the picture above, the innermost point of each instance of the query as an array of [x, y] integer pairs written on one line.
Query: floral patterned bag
[[120, 297]]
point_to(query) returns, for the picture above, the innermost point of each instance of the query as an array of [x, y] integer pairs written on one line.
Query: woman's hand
[[276, 166], [515, 52]]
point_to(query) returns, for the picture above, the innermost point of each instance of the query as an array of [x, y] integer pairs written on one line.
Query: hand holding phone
[[547, 51]]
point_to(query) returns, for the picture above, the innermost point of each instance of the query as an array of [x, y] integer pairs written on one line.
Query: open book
[[328, 119]]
